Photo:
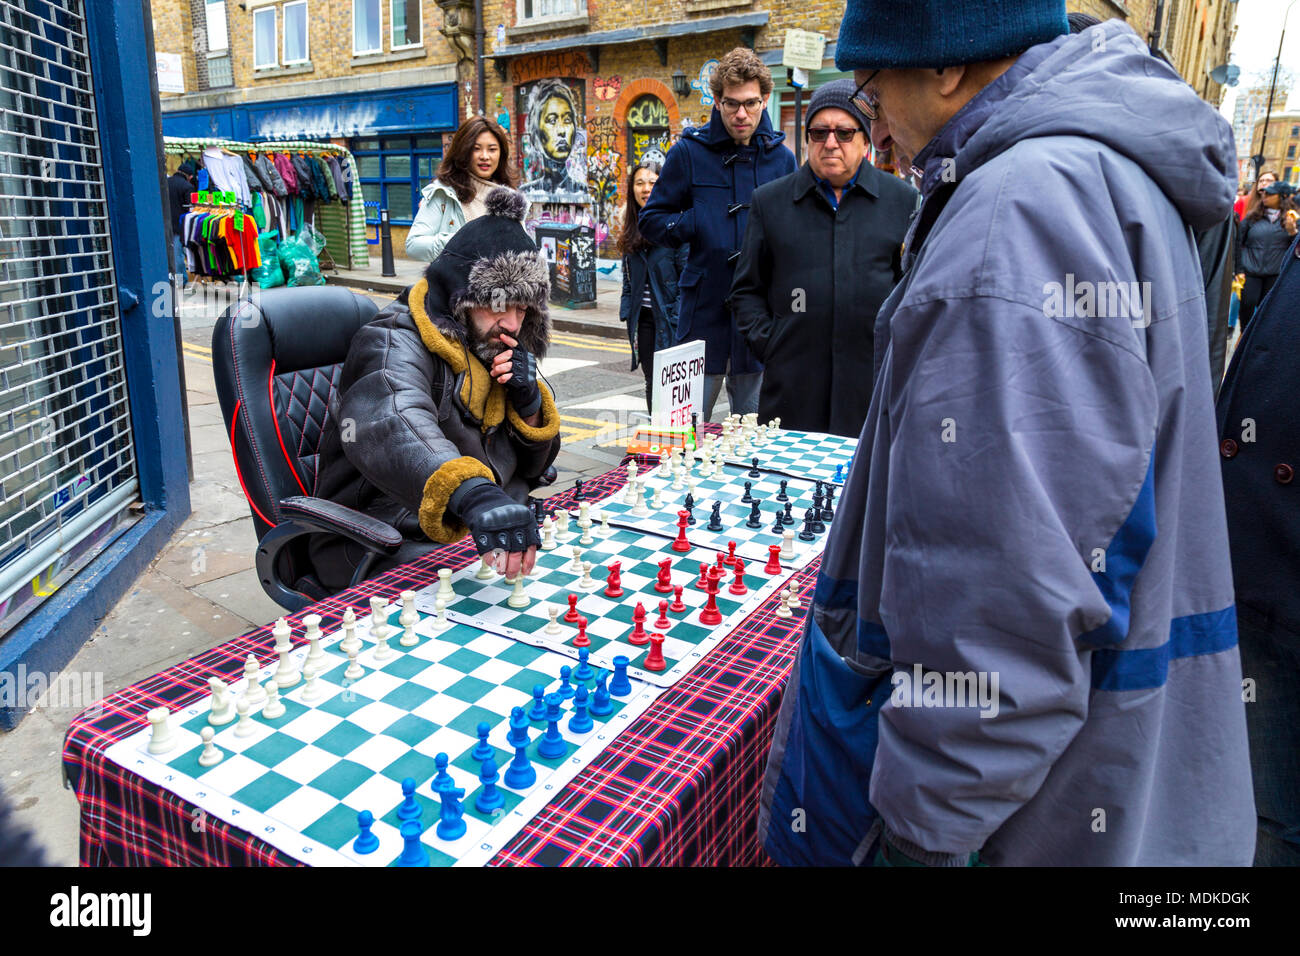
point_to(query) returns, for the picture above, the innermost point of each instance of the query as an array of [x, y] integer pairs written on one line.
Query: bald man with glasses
[[822, 250]]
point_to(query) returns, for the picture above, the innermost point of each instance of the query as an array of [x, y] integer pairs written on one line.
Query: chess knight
[[440, 424]]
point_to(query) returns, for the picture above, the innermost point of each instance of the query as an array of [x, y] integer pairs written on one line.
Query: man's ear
[[949, 79]]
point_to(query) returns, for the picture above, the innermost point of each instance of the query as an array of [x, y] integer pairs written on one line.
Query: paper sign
[[171, 75], [678, 384], [803, 49]]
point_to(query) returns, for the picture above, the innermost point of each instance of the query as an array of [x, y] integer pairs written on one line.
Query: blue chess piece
[[839, 473], [585, 671], [620, 686], [552, 743], [518, 736], [413, 852], [410, 808], [483, 750], [600, 703], [538, 710], [442, 779], [489, 798], [581, 721], [451, 826], [367, 842], [566, 689], [520, 775]]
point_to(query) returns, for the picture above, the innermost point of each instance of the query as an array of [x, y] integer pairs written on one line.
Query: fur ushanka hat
[[491, 262]]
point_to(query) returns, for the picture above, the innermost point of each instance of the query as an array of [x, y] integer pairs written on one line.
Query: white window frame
[[225, 26], [275, 27], [306, 35], [579, 10], [392, 24], [380, 6]]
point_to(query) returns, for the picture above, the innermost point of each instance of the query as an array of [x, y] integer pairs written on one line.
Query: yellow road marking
[[197, 348], [193, 352], [585, 344]]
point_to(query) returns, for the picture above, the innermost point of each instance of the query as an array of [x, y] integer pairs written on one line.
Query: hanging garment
[[285, 165], [227, 173]]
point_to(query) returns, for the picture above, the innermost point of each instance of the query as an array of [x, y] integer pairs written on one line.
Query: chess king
[[440, 425]]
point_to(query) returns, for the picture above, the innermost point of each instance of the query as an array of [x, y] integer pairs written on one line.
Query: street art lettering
[[554, 138], [648, 111], [602, 133], [527, 69]]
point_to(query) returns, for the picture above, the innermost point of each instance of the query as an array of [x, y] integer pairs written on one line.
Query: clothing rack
[[203, 202]]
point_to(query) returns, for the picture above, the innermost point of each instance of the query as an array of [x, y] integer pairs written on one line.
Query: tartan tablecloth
[[678, 787]]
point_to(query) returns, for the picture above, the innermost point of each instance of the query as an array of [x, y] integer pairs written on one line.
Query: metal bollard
[[386, 245]]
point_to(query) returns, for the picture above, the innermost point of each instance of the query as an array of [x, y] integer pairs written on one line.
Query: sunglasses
[[867, 106], [845, 134]]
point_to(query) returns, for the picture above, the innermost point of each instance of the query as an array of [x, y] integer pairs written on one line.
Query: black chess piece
[[689, 505], [747, 498], [807, 533], [781, 495], [788, 516], [821, 487], [577, 490], [715, 519], [778, 525], [753, 469], [539, 512], [755, 514], [817, 526], [828, 504]]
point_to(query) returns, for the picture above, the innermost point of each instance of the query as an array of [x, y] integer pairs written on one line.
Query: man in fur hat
[[440, 425]]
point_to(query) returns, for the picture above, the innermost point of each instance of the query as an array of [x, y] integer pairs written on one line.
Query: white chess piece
[[588, 582], [445, 590], [355, 671], [678, 472], [350, 639], [409, 618], [221, 711], [629, 490], [253, 691], [787, 545], [485, 570], [211, 756], [562, 532], [794, 597], [576, 567], [548, 539], [584, 522], [286, 675], [440, 622], [605, 531], [639, 509], [657, 500], [315, 656], [518, 599], [553, 613], [378, 616], [665, 466], [379, 631], [274, 705], [311, 690], [245, 727], [783, 610], [161, 739]]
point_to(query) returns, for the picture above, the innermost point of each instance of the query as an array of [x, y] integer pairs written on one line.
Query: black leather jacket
[[1261, 246]]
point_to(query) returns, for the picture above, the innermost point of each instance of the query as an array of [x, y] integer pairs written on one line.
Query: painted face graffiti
[[557, 128]]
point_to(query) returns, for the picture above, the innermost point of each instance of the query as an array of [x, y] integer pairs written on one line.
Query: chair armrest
[[318, 515], [547, 477]]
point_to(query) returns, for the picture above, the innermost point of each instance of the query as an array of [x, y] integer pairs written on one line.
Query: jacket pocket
[[688, 290]]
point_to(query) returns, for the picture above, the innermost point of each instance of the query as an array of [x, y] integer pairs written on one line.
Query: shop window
[[295, 33], [367, 31], [405, 16], [264, 38], [647, 129], [393, 170]]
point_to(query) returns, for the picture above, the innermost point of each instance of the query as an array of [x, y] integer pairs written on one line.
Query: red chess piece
[[738, 585], [730, 559], [681, 544], [614, 583], [678, 605], [703, 582], [571, 616], [582, 640], [662, 622], [639, 635], [654, 661], [664, 584], [773, 565], [710, 614], [722, 560]]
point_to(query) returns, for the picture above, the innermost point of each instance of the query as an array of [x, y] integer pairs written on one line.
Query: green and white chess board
[[811, 456], [299, 781]]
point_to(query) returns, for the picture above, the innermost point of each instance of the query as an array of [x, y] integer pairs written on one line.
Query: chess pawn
[[548, 544], [440, 622], [311, 690], [274, 707], [576, 567], [518, 599], [665, 466], [246, 727], [678, 472], [783, 610], [355, 670], [553, 613], [588, 583], [350, 639], [253, 692], [657, 501], [586, 537], [794, 596], [211, 756]]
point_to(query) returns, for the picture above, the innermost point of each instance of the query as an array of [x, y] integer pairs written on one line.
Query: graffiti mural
[[554, 146], [604, 172], [529, 68], [648, 133], [607, 89], [701, 83]]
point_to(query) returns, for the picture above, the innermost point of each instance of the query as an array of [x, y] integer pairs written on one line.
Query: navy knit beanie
[[839, 94], [891, 34]]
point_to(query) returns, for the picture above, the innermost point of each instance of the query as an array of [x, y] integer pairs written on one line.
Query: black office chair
[[277, 360]]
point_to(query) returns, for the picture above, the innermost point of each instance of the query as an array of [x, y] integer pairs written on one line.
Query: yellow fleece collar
[[484, 398]]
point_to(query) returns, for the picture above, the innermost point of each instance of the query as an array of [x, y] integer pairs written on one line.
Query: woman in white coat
[[477, 162]]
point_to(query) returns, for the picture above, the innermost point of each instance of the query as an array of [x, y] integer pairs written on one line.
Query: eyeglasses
[[845, 134], [730, 106], [867, 106]]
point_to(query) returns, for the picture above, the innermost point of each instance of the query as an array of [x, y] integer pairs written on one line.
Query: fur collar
[[484, 398]]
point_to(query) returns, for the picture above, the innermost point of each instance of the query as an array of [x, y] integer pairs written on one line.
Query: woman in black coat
[[650, 274], [1266, 233]]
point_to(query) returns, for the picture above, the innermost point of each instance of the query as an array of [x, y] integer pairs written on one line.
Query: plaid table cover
[[679, 787]]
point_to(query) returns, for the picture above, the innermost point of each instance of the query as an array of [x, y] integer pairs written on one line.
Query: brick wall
[[172, 26]]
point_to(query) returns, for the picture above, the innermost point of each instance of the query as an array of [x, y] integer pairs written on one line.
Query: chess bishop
[[440, 424]]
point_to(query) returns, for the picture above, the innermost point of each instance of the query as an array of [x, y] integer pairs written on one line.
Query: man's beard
[[484, 348]]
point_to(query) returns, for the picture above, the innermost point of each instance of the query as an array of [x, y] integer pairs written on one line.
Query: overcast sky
[[1259, 27]]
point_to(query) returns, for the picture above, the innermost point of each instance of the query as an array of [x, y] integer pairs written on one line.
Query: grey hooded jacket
[[1035, 508]]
